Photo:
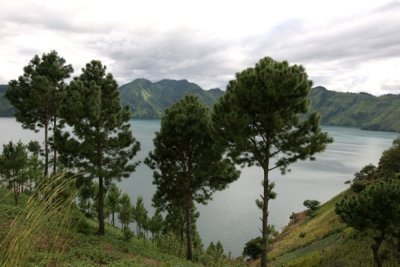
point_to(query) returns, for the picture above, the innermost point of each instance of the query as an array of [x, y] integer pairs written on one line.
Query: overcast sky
[[346, 45]]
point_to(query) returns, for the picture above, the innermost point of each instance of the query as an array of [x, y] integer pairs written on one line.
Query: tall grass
[[40, 224]]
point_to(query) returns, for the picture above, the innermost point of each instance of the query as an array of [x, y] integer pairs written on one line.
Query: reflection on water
[[232, 215]]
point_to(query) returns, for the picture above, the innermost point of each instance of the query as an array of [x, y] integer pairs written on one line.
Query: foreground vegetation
[[77, 243]]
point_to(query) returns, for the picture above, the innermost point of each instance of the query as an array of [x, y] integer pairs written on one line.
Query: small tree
[[125, 214], [375, 210], [139, 213], [188, 163], [262, 116], [155, 224], [13, 161], [36, 95], [253, 248], [102, 145], [311, 205], [112, 201]]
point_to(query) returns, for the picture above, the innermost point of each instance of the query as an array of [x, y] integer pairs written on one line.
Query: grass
[[323, 240], [46, 233]]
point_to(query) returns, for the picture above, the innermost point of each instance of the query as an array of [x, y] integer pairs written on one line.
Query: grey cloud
[[178, 54], [391, 88], [38, 16]]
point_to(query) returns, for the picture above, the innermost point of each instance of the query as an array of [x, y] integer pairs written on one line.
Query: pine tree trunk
[[15, 193], [188, 216], [101, 207], [112, 218], [55, 151], [46, 149], [375, 249], [265, 211]]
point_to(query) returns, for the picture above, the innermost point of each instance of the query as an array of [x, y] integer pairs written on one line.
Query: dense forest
[[64, 191]]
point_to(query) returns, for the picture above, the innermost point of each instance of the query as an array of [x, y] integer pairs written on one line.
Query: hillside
[[57, 243], [148, 100], [324, 241], [359, 110]]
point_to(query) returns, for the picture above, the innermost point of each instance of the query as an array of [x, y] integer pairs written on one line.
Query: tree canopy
[[262, 116], [36, 94], [189, 166], [102, 144]]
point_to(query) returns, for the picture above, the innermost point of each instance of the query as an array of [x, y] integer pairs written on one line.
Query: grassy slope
[[325, 242], [86, 249]]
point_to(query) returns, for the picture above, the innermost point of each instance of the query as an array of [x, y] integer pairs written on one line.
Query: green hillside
[[59, 243], [359, 110], [323, 240], [148, 100]]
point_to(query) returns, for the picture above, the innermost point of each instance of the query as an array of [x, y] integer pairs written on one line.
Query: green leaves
[[101, 144], [260, 112]]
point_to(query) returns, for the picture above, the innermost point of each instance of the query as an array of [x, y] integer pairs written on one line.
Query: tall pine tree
[[259, 118], [36, 96], [188, 164], [102, 144]]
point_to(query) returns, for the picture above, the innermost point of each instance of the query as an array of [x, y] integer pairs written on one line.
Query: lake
[[232, 216]]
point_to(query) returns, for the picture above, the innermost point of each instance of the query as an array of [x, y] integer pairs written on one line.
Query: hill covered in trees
[[361, 110], [148, 100]]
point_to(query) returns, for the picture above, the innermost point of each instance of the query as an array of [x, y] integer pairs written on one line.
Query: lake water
[[232, 215]]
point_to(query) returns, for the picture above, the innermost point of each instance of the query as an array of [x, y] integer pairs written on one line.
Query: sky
[[351, 45]]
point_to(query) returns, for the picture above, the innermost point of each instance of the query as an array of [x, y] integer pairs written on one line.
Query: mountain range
[[148, 100]]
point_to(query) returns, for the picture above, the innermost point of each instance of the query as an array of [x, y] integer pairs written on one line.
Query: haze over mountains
[[148, 100]]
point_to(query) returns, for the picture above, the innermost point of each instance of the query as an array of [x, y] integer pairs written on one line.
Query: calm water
[[232, 215]]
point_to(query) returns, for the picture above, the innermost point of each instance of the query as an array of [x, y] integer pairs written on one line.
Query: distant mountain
[[361, 110], [148, 100], [6, 109]]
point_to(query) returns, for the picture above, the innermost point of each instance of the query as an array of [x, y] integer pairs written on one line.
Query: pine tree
[[112, 201], [13, 161], [36, 96], [140, 216], [125, 213], [102, 145], [377, 209], [259, 118], [155, 224], [188, 164]]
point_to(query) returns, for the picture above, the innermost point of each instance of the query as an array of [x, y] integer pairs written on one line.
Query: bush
[[312, 206], [253, 248]]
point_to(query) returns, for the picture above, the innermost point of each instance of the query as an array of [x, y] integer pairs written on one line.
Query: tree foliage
[[102, 144], [376, 209], [112, 201], [262, 117], [36, 94], [311, 205], [188, 164], [125, 215], [140, 216]]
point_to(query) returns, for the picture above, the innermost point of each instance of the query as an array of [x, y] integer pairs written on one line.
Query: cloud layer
[[345, 47]]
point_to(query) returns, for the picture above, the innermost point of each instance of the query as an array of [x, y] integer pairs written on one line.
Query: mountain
[[361, 110], [6, 109], [148, 100]]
